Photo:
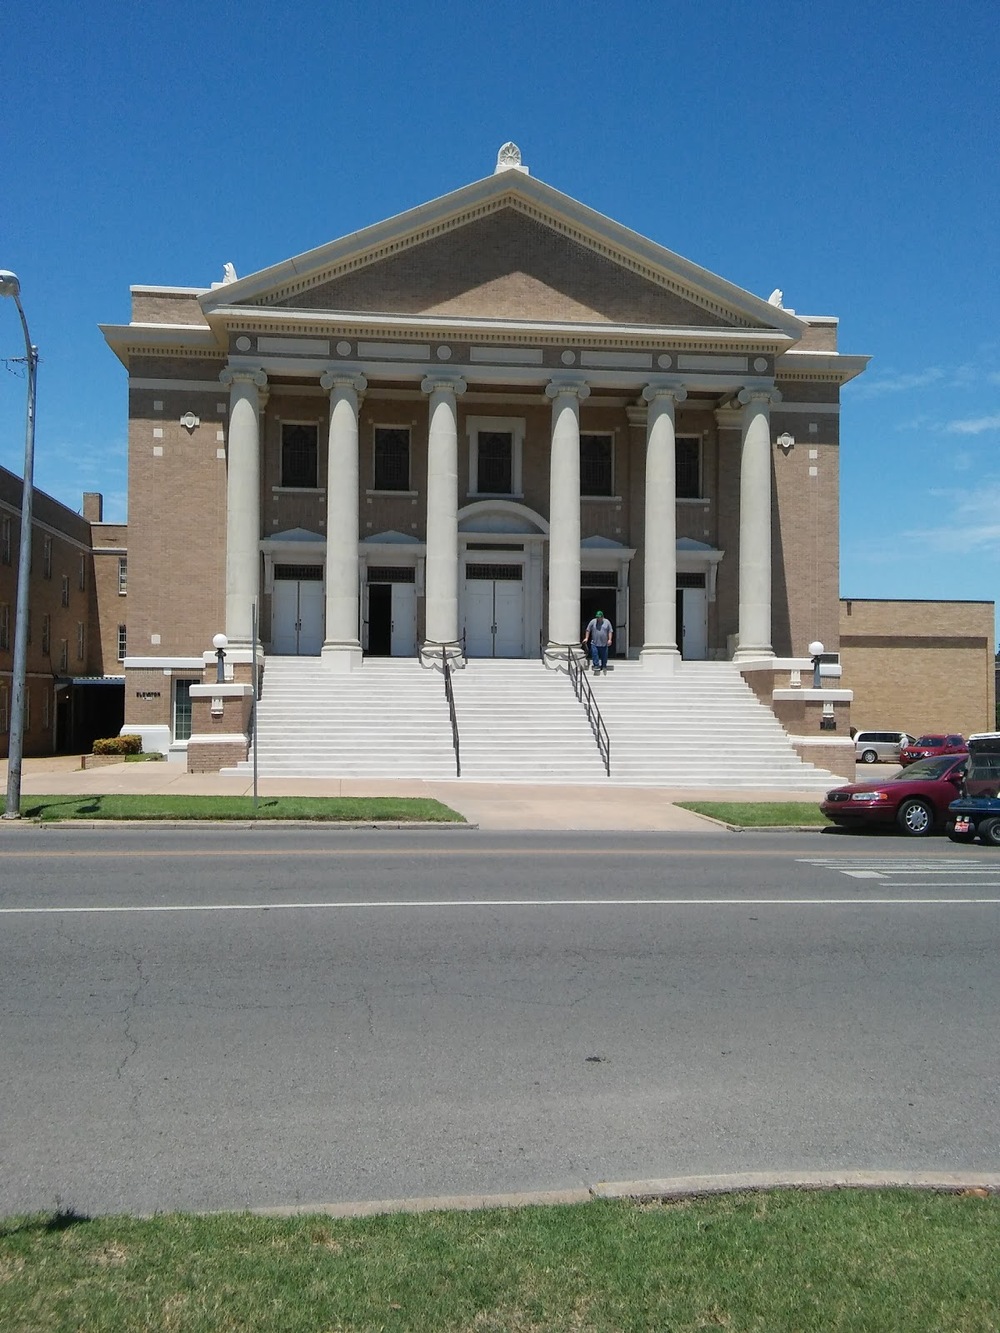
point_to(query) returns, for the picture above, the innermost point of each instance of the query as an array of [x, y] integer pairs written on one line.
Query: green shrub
[[119, 745]]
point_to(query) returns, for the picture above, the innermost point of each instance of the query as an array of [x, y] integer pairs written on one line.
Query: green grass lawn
[[334, 808], [842, 1260], [761, 814]]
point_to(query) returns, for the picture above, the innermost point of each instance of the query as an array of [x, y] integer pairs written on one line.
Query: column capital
[[230, 375], [664, 388], [574, 386], [443, 383], [344, 377], [766, 394], [729, 418]]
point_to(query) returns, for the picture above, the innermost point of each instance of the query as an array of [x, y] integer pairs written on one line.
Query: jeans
[[599, 656]]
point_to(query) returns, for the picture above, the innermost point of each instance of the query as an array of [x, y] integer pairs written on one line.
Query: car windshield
[[926, 768], [930, 740]]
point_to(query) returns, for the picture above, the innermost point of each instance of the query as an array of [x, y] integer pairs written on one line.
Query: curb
[[236, 823], [648, 1191]]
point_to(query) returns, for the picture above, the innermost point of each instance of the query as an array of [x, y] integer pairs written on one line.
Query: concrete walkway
[[490, 805]]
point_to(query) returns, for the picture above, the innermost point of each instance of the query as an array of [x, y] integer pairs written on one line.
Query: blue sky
[[845, 153]]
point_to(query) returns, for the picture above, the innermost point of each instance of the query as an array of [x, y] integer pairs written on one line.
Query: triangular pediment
[[506, 266], [391, 538], [511, 249]]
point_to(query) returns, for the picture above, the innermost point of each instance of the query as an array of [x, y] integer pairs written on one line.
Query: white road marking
[[508, 902], [865, 874]]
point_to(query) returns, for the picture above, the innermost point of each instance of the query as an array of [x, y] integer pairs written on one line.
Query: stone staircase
[[702, 726], [520, 722], [388, 720]]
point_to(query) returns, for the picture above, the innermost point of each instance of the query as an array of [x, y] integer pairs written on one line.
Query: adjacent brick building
[[74, 672]]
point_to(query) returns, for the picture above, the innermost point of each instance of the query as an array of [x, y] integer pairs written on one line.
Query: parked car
[[916, 799], [870, 747], [975, 813], [930, 747]]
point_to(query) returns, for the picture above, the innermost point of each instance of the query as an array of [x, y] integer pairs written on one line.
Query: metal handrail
[[585, 694], [449, 694]]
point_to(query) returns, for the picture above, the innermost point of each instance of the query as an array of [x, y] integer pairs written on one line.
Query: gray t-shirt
[[599, 632]]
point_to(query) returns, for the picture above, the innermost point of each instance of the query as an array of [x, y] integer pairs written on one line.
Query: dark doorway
[[379, 619], [599, 592], [680, 620]]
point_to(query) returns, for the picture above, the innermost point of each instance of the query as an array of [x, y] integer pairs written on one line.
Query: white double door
[[494, 610], [297, 612]]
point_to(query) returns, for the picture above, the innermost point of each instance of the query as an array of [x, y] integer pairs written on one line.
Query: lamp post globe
[[11, 286], [220, 643]]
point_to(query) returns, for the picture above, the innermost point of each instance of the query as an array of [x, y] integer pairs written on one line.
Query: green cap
[[600, 615]]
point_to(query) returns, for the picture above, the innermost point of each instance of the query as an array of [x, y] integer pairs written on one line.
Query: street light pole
[[10, 286]]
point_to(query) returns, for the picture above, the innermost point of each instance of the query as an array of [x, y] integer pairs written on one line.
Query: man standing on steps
[[598, 635]]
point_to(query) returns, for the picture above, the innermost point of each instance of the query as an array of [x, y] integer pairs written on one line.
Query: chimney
[[93, 506]]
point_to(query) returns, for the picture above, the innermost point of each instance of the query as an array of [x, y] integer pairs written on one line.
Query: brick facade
[[919, 666]]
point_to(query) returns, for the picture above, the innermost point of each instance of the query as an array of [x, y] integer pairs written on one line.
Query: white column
[[441, 586], [341, 641], [659, 649], [755, 525], [564, 516], [242, 502]]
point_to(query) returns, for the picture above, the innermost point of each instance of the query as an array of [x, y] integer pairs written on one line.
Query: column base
[[661, 660], [752, 654], [342, 657]]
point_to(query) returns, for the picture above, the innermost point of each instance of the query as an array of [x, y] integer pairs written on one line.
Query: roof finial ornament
[[228, 273], [777, 298], [509, 159]]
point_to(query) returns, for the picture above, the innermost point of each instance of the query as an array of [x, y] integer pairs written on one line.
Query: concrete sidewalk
[[490, 805]]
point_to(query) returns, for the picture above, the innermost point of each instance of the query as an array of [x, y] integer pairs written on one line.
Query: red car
[[916, 799], [930, 747]]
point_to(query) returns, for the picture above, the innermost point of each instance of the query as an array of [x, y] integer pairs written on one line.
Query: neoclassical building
[[472, 425]]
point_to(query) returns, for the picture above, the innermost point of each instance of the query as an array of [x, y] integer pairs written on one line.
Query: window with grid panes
[[82, 574], [5, 539], [47, 557], [495, 462], [65, 590], [63, 655], [299, 453], [122, 575], [122, 642], [596, 465], [81, 641], [688, 467], [4, 626], [392, 458], [46, 633]]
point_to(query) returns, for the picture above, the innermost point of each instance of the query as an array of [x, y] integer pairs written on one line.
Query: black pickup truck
[[976, 813]]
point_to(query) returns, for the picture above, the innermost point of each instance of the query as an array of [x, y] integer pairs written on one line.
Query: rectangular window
[[596, 471], [63, 654], [5, 539], [299, 452], [65, 590], [496, 462], [688, 467], [182, 709], [122, 643], [81, 641], [4, 707], [46, 634], [122, 575], [4, 626], [392, 458], [45, 710], [47, 558], [82, 574]]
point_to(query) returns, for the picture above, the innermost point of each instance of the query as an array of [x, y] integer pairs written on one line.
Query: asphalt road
[[227, 1018]]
